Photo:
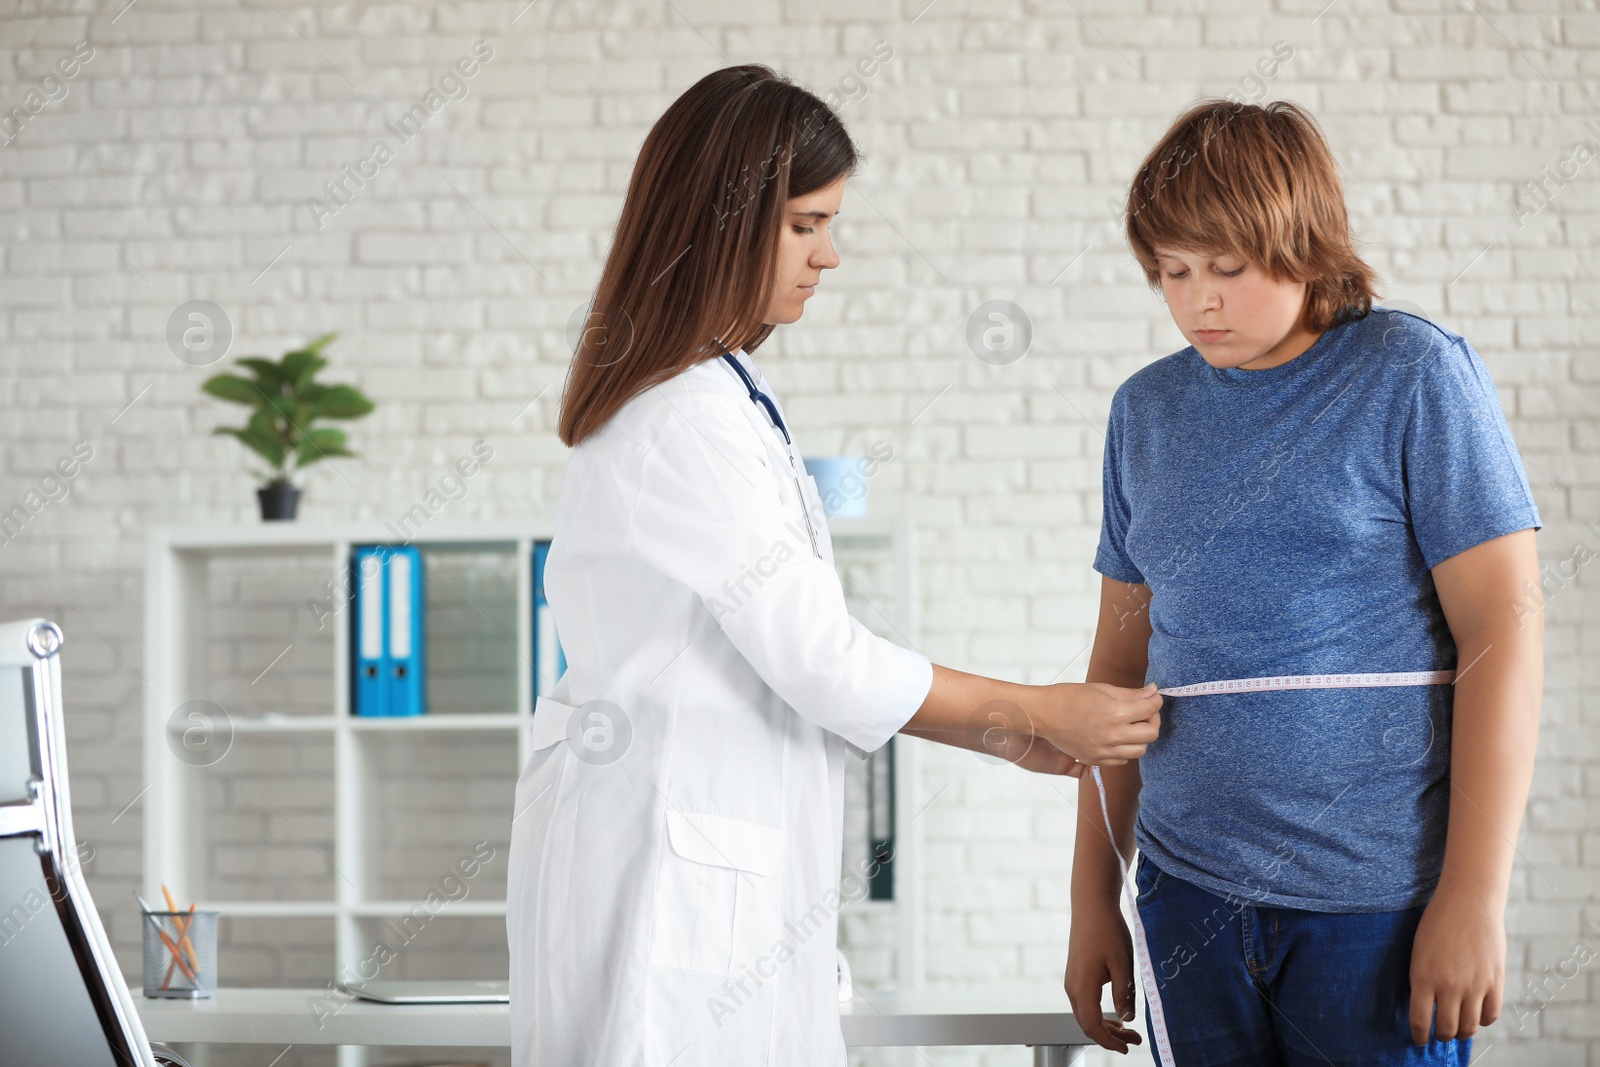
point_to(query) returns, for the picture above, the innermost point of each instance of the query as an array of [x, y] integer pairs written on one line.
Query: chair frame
[[32, 645]]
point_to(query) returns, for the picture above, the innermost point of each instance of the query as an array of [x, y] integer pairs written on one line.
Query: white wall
[[179, 166]]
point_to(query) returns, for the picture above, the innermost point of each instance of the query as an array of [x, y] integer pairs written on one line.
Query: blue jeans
[[1247, 986]]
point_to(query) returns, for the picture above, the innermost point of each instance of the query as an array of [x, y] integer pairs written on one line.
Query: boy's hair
[[1258, 182]]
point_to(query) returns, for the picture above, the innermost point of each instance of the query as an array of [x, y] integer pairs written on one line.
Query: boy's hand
[[1099, 950], [1458, 965]]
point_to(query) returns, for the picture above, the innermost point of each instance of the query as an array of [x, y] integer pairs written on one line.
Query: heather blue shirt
[[1285, 521]]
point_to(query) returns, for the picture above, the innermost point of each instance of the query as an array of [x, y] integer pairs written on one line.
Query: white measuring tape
[[1141, 947], [1309, 681]]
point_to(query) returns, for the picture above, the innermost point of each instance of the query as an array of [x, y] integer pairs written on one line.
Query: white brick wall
[[179, 164]]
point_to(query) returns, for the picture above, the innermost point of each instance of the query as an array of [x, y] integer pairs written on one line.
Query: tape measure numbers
[[1281, 683], [1309, 681]]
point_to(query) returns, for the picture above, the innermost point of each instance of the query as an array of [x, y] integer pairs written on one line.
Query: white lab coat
[[678, 905]]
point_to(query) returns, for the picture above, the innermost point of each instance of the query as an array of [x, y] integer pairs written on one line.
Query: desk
[[999, 1015]]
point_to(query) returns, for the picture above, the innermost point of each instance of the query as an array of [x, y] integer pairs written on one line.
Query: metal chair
[[63, 1001]]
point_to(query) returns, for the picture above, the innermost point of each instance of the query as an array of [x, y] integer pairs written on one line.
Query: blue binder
[[548, 660], [386, 630], [367, 644]]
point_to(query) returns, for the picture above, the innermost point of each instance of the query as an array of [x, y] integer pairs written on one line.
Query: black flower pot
[[278, 500]]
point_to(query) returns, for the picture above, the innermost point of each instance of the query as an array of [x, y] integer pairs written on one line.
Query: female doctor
[[676, 841]]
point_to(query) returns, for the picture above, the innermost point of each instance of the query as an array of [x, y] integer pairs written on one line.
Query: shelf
[[351, 823], [389, 909], [502, 534], [376, 909], [497, 720], [290, 724], [272, 909], [285, 724], [881, 531]]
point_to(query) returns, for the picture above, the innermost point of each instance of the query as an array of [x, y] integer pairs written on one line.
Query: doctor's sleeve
[[709, 514]]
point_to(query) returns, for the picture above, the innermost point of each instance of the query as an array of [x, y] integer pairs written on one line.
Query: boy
[[1314, 487]]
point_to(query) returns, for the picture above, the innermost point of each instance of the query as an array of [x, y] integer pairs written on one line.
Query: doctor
[[676, 841]]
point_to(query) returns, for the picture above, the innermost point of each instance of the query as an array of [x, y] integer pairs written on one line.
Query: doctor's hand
[[1096, 722], [1054, 729], [1033, 753]]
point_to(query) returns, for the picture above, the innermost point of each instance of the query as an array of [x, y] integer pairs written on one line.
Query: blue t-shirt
[[1285, 521]]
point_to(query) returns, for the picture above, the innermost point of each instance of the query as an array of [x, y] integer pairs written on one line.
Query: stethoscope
[[766, 401], [758, 396]]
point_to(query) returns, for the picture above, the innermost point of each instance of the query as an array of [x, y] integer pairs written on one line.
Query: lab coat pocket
[[714, 908]]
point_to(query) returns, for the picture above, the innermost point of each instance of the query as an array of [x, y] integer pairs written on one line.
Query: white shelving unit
[[180, 628]]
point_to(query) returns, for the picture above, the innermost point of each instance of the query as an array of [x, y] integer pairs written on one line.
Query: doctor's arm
[[1459, 953], [711, 513], [1053, 729]]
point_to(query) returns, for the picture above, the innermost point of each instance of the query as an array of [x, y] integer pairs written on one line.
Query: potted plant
[[282, 430]]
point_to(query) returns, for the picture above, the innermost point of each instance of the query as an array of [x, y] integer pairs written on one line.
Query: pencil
[[177, 957], [182, 926]]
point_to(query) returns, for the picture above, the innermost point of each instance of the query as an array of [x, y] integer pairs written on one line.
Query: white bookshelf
[[313, 720]]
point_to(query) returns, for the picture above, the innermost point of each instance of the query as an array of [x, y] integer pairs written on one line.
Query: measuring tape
[[1309, 681], [1141, 947]]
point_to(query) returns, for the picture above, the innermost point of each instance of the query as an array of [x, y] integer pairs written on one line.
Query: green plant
[[287, 404]]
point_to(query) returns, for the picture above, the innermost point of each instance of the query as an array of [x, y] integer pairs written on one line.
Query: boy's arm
[[1121, 656], [1100, 951], [1459, 954]]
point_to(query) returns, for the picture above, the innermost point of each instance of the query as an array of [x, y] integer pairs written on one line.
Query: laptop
[[443, 991]]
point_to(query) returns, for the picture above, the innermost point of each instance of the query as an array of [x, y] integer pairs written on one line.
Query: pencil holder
[[180, 953]]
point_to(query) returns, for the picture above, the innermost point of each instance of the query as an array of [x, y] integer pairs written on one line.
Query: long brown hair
[[1257, 182], [695, 250]]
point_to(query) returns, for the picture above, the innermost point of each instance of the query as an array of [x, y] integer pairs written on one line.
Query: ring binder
[[387, 678], [549, 662]]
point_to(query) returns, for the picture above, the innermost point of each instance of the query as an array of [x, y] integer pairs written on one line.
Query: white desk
[[1001, 1015]]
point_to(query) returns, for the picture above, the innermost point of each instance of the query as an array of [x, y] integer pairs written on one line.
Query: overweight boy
[[1314, 489]]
